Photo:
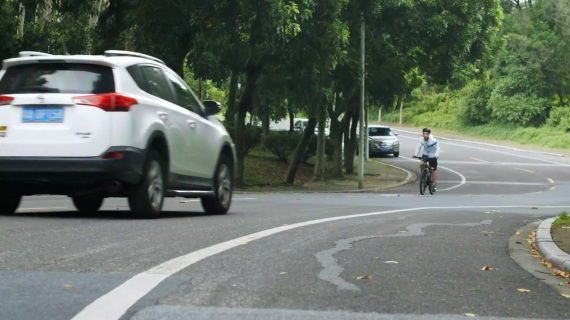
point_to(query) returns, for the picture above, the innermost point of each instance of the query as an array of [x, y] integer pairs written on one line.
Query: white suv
[[118, 125]]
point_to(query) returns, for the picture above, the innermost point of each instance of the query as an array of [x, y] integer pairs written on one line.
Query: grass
[[562, 220], [263, 172]]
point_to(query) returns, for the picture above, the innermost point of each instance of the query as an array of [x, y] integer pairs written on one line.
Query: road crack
[[331, 270]]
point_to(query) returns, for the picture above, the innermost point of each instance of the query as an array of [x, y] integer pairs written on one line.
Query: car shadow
[[106, 215]]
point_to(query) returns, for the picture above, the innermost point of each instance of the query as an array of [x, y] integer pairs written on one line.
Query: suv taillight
[[107, 101], [5, 100]]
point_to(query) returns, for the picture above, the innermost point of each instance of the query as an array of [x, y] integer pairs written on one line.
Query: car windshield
[[380, 132], [57, 78]]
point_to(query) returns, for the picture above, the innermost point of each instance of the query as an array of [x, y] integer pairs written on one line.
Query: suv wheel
[[87, 204], [223, 187], [9, 202], [146, 197]]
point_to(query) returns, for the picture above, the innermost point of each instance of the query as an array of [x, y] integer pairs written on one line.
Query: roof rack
[[119, 53], [32, 54]]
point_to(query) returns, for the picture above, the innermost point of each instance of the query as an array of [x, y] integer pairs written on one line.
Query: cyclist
[[430, 148]]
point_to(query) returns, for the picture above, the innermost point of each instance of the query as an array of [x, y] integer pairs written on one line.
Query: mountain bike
[[425, 177]]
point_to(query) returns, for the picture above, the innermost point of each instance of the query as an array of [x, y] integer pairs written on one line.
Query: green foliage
[[473, 103], [562, 219], [559, 117], [523, 108]]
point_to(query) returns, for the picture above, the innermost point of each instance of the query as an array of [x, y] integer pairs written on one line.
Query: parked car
[[120, 124], [300, 124], [382, 140]]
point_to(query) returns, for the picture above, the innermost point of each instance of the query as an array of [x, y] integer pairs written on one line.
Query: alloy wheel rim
[[224, 186], [155, 188]]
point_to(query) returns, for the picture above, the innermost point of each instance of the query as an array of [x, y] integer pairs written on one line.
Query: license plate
[[42, 114]]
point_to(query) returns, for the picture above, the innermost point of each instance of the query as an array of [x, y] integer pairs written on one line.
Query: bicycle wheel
[[431, 186], [423, 182]]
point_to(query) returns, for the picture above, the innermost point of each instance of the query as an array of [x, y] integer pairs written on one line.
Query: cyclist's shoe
[[434, 188]]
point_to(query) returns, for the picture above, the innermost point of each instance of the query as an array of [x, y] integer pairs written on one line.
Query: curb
[[548, 248]]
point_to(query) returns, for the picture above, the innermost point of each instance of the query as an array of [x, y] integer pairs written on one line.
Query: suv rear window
[[57, 78]]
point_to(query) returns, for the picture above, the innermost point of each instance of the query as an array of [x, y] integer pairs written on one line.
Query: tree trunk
[[265, 121], [245, 102], [339, 127], [291, 117], [300, 150], [319, 173], [352, 145], [401, 106], [561, 95], [231, 110]]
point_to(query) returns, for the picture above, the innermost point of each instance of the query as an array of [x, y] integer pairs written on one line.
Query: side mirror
[[212, 107]]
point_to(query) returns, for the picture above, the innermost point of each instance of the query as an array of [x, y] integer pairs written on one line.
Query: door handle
[[163, 116], [191, 123]]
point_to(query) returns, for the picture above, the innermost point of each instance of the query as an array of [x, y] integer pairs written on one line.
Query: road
[[391, 255]]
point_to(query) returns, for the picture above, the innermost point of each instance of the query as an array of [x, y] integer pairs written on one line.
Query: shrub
[[252, 136], [283, 144]]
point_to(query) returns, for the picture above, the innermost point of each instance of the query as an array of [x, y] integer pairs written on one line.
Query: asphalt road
[[392, 255]]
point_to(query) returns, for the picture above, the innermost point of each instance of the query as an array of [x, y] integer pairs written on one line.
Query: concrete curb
[[548, 248]]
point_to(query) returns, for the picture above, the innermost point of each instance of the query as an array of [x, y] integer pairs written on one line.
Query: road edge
[[548, 248]]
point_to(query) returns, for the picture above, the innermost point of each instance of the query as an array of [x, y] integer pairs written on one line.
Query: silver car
[[382, 140]]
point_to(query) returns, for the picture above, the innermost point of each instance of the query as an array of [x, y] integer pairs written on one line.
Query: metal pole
[[362, 136]]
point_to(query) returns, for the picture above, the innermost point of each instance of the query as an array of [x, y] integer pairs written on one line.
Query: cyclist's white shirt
[[429, 147]]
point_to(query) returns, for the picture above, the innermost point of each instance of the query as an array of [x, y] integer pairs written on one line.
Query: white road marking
[[478, 160], [483, 143], [461, 183], [550, 180], [525, 170], [115, 303], [506, 183], [502, 152]]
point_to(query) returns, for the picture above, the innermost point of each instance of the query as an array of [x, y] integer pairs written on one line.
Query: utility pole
[[362, 77]]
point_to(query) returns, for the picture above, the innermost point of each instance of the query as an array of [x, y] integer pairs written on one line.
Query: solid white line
[[115, 303], [550, 180], [524, 170], [463, 179], [502, 183], [502, 152], [478, 160], [485, 144]]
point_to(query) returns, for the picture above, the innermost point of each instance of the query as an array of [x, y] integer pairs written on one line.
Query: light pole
[[363, 139]]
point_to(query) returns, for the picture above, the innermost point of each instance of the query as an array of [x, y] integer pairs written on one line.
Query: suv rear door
[[39, 111]]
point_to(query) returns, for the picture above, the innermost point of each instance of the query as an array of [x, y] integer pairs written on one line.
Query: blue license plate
[[42, 114]]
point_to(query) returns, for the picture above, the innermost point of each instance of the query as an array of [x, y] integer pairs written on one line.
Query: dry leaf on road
[[471, 315], [391, 262], [364, 278], [523, 290], [283, 273], [486, 268]]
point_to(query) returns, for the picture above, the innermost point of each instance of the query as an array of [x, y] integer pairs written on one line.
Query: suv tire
[[9, 202], [146, 197], [223, 184], [87, 204]]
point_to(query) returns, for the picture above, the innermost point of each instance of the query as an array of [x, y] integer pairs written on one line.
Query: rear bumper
[[51, 175]]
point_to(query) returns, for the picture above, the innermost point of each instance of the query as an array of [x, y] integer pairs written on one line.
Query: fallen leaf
[[523, 290], [471, 315], [474, 289], [567, 296], [391, 262], [489, 232], [67, 286], [364, 278], [486, 268], [403, 231], [283, 273]]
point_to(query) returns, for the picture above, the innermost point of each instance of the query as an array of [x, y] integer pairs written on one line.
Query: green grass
[[562, 220]]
